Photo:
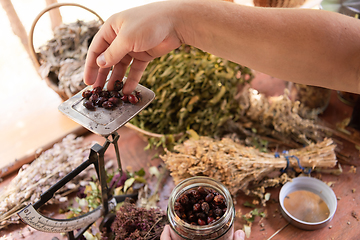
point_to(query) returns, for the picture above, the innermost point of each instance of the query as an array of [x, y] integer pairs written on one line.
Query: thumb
[[239, 235]]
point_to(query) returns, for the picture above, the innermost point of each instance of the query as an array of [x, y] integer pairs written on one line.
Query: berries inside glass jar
[[98, 97], [200, 206]]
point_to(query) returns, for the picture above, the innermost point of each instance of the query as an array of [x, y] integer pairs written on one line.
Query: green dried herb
[[194, 90], [250, 217]]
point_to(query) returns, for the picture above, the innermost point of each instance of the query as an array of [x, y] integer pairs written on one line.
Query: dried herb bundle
[[275, 118], [133, 222], [62, 59], [236, 165], [35, 178], [311, 98], [194, 89]]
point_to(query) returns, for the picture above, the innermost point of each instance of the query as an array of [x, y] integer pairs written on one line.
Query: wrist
[[189, 22], [203, 23]]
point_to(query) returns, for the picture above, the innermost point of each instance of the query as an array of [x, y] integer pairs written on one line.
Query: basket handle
[[48, 8]]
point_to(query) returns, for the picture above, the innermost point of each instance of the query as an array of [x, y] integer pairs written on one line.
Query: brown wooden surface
[[346, 186]]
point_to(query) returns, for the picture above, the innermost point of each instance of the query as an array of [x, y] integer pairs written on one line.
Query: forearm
[[309, 46]]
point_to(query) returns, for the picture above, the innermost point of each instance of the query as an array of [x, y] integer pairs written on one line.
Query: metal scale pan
[[103, 121]]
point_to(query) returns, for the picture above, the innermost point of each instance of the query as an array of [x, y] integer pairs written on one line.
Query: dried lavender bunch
[[132, 222]]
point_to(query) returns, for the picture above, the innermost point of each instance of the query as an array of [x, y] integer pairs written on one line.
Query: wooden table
[[345, 224]]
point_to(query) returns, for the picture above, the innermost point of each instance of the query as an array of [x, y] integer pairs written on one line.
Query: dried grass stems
[[35, 178], [236, 165]]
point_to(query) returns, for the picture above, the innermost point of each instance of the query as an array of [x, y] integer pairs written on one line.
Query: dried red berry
[[178, 206], [219, 199], [118, 85], [202, 190], [201, 222], [211, 213], [87, 94], [105, 94], [124, 98], [114, 100], [132, 99], [196, 194], [210, 220], [205, 207], [138, 94], [115, 93], [97, 90], [196, 207], [100, 101], [218, 212], [108, 105], [184, 200], [94, 98], [209, 197], [89, 104]]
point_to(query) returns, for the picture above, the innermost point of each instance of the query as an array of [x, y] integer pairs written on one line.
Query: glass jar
[[222, 229]]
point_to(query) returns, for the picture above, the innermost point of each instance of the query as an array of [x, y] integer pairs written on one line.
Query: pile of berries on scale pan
[[98, 97]]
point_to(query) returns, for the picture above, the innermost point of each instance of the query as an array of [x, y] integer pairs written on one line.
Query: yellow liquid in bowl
[[306, 206]]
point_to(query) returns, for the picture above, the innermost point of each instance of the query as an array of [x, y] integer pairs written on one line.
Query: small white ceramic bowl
[[312, 185]]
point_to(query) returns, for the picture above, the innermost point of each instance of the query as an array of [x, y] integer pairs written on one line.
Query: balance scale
[[102, 122]]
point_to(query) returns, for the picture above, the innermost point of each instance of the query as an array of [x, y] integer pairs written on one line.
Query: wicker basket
[[52, 81]]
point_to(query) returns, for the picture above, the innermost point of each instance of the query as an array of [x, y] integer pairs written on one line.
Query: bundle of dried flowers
[[236, 165], [35, 178], [62, 59]]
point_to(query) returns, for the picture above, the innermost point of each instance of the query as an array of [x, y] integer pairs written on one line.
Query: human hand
[[135, 36], [239, 235], [167, 234]]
